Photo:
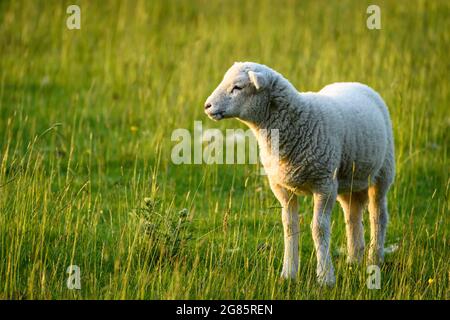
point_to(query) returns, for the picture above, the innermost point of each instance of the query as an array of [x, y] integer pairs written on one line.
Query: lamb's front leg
[[323, 204], [289, 211], [291, 232]]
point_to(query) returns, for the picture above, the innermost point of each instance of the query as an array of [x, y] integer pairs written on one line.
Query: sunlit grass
[[85, 127]]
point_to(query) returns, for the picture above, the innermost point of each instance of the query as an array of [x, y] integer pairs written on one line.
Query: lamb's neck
[[286, 117], [286, 108]]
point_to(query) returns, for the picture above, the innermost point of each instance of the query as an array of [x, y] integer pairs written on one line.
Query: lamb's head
[[243, 93]]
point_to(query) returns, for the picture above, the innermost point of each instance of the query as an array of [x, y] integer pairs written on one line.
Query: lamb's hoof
[[288, 275], [326, 281], [355, 255], [326, 278]]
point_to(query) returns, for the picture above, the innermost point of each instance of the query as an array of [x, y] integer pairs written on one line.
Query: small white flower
[[45, 81], [391, 249]]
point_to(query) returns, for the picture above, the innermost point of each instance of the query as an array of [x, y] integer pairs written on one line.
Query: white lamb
[[335, 144]]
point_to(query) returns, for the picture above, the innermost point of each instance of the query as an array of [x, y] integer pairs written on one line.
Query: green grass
[[74, 171]]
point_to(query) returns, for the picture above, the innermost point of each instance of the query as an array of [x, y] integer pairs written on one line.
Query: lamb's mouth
[[216, 115]]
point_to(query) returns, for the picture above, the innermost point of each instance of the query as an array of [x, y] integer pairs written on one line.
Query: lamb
[[335, 144]]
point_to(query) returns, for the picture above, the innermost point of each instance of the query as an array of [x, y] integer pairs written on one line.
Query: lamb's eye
[[235, 88]]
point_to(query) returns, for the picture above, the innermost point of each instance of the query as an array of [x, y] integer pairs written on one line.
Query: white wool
[[335, 144]]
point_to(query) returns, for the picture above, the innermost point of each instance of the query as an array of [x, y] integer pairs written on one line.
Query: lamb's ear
[[258, 79]]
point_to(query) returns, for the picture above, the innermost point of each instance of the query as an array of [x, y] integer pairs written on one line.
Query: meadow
[[86, 176]]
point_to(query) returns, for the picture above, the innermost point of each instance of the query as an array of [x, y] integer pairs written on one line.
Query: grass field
[[86, 118]]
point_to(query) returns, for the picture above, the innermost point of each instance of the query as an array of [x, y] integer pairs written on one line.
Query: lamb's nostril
[[207, 106]]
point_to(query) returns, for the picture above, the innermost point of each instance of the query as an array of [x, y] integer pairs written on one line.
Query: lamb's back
[[363, 124]]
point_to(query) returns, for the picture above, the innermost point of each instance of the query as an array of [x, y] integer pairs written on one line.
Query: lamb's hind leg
[[289, 212], [353, 206], [378, 222], [378, 211]]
